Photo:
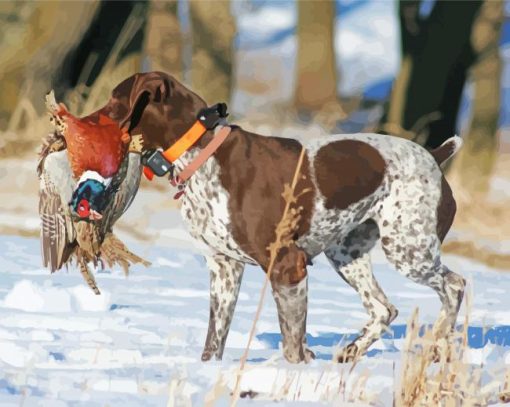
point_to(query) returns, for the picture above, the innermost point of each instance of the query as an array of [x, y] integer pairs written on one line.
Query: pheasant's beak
[[94, 215]]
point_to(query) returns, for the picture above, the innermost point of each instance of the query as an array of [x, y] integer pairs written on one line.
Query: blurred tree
[[163, 38], [38, 52], [316, 79], [108, 52], [476, 159], [32, 44], [110, 33], [436, 55], [213, 29]]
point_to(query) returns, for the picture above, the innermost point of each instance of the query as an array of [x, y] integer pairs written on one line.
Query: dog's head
[[156, 105]]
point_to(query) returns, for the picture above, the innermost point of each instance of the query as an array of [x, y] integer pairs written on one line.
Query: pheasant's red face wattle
[[83, 209]]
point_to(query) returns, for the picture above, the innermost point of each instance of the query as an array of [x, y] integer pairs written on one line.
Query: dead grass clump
[[437, 372], [470, 250], [335, 384], [24, 131]]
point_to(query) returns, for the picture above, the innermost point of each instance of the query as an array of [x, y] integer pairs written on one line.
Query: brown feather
[[53, 228], [113, 251], [94, 143], [65, 239]]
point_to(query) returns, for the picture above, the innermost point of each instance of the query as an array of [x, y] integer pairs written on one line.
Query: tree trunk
[[437, 53], [316, 79], [163, 38], [109, 52], [32, 47], [476, 159], [213, 31]]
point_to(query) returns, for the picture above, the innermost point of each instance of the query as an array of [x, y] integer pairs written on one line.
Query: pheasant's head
[[90, 196]]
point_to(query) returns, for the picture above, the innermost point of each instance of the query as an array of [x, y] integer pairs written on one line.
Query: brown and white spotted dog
[[363, 187]]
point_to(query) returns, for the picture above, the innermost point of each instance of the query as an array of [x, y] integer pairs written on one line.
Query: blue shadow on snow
[[478, 337]]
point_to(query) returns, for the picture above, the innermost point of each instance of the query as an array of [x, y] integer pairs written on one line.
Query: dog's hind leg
[[226, 276], [411, 239], [422, 265], [351, 260], [289, 281]]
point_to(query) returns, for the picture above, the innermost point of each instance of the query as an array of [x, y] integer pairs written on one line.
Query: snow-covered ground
[[140, 342]]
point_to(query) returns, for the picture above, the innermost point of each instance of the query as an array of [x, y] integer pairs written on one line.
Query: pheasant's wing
[[128, 182], [55, 191], [113, 251], [129, 186]]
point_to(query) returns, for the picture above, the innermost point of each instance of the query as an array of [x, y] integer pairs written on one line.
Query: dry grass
[[471, 250], [437, 372], [20, 138], [335, 384], [482, 222], [432, 372]]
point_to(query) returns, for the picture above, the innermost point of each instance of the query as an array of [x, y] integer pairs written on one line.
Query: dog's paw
[[299, 355], [348, 354], [309, 355], [207, 355]]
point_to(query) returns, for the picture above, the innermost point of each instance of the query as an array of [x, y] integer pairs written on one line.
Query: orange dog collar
[[185, 142], [207, 119]]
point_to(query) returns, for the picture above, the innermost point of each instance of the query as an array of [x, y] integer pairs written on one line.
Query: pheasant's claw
[[94, 215]]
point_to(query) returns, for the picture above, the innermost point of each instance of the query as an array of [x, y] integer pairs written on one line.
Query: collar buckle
[[159, 163], [210, 117], [156, 162]]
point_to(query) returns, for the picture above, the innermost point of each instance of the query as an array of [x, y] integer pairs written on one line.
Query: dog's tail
[[446, 150]]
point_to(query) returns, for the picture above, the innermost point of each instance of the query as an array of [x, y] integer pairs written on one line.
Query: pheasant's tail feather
[[87, 235], [88, 276], [113, 251]]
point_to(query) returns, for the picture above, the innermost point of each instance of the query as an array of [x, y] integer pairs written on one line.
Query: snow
[[28, 297], [373, 48], [140, 342]]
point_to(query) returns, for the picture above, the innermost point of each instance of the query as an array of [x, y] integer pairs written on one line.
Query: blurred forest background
[[424, 70]]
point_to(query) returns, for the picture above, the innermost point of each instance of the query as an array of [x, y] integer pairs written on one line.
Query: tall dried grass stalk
[[288, 223], [437, 372]]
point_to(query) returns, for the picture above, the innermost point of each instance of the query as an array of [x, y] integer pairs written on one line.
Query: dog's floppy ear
[[145, 88]]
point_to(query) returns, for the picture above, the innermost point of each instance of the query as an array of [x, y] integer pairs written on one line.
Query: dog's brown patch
[[444, 151], [446, 210], [290, 266], [254, 170], [348, 171]]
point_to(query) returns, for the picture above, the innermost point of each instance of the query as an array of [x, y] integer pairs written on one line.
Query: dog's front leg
[[289, 281], [226, 276]]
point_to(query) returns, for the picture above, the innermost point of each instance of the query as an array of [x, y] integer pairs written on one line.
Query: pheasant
[[89, 171]]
